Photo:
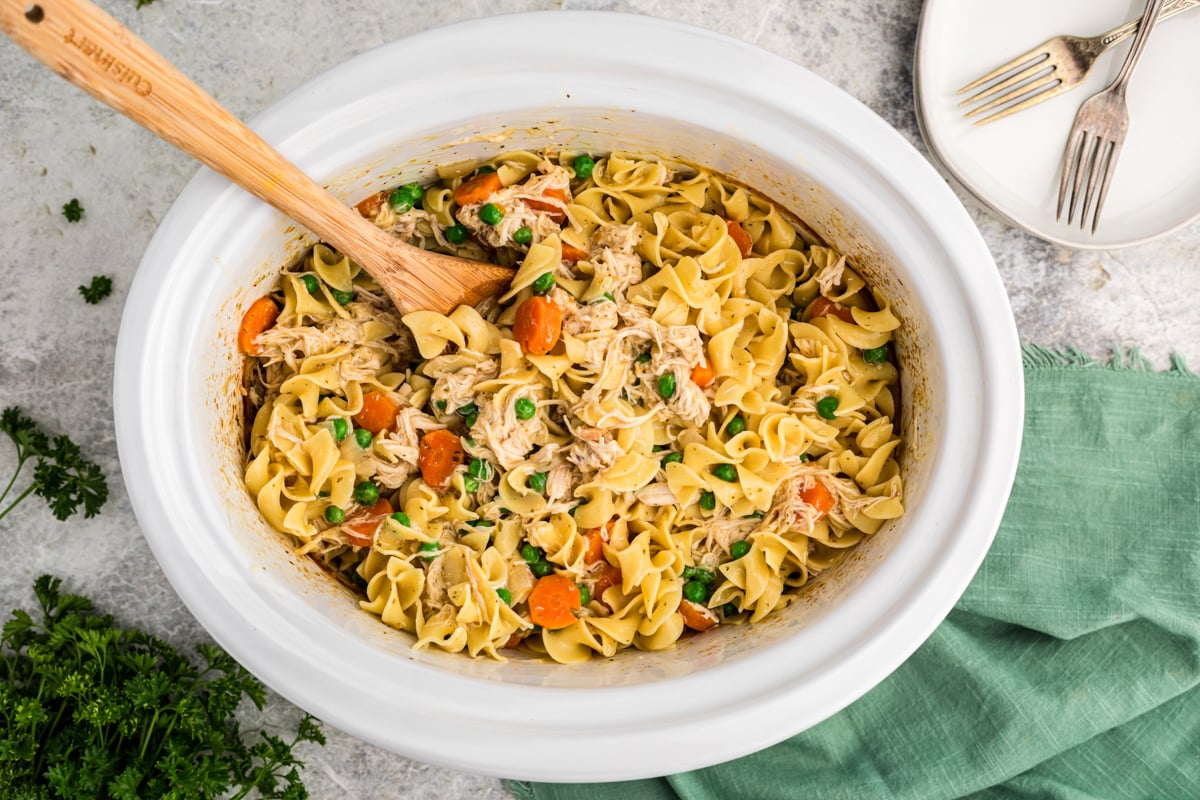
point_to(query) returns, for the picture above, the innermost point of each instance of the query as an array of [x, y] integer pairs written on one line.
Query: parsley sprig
[[61, 475], [91, 710], [72, 210], [97, 290]]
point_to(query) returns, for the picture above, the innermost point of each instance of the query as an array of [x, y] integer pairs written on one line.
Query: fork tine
[[1110, 166], [1102, 149], [1074, 145], [1018, 93], [1086, 156], [1027, 74], [1043, 92], [1040, 53]]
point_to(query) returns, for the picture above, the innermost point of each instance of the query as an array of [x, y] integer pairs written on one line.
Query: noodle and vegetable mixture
[[678, 415]]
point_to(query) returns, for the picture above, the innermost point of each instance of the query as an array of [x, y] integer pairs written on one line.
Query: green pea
[[469, 408], [343, 298], [334, 515], [757, 515], [366, 493], [480, 469], [471, 442], [491, 214], [541, 568], [666, 385], [609, 297], [469, 419], [708, 501], [505, 595], [415, 192], [402, 518], [363, 437], [484, 168], [525, 408], [698, 574], [455, 234], [725, 472], [827, 407], [543, 283], [729, 609], [340, 429], [583, 167], [537, 482], [672, 458], [695, 591], [429, 547], [876, 355], [585, 595], [735, 425], [805, 457], [441, 405], [311, 283], [530, 553], [323, 493], [470, 484], [571, 511], [522, 236], [739, 548], [643, 358], [403, 198], [481, 523]]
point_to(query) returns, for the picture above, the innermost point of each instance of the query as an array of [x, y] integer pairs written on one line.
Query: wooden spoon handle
[[104, 58]]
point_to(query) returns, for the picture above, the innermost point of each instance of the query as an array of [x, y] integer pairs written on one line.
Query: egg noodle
[[692, 417]]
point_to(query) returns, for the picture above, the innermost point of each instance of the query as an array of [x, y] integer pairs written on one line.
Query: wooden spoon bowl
[[99, 55]]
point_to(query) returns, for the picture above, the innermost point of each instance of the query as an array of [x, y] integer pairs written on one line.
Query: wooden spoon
[[99, 55]]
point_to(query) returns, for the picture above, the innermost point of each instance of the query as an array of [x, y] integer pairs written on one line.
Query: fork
[[1049, 69], [1099, 131]]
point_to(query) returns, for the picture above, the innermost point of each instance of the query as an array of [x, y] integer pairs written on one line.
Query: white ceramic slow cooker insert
[[653, 89]]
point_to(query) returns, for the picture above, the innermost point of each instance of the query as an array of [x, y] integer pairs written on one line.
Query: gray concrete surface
[[56, 353]]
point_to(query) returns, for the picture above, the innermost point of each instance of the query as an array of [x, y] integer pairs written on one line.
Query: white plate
[[1012, 165]]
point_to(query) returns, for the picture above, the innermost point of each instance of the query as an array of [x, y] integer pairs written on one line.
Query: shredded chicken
[[457, 387], [501, 432], [518, 214]]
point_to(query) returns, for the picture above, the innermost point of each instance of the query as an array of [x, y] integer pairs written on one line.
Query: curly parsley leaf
[[61, 475], [72, 210], [97, 290], [93, 710]]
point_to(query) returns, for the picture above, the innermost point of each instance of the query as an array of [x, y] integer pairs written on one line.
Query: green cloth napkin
[[1070, 668]]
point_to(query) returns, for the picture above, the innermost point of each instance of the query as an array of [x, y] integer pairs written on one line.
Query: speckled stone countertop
[[56, 353]]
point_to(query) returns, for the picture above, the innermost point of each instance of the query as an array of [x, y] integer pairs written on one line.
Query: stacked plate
[[1012, 165]]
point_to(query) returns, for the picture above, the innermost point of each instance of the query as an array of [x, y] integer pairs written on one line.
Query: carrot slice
[[361, 532], [611, 576], [440, 452], [823, 307], [571, 253], [596, 537], [702, 374], [538, 325], [378, 412], [552, 211], [740, 237], [819, 498], [696, 616], [371, 207], [260, 316], [552, 600], [478, 189]]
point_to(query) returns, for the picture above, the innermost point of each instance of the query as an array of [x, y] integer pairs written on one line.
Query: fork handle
[[1149, 20], [1123, 32]]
